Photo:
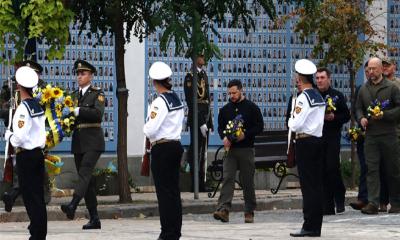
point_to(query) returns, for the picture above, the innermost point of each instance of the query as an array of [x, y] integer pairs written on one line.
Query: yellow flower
[[53, 158], [67, 122], [57, 92], [47, 95], [68, 101]]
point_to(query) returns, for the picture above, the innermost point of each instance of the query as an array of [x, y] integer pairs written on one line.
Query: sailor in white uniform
[[307, 121], [163, 128], [28, 136]]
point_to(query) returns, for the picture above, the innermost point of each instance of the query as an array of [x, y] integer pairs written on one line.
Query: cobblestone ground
[[268, 225]]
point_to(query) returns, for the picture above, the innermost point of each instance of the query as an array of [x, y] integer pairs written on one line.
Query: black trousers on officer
[[165, 164], [309, 165], [334, 189], [30, 167], [202, 143], [86, 186]]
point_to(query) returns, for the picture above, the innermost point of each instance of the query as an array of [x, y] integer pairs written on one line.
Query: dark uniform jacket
[[342, 113], [385, 90], [203, 98], [91, 110]]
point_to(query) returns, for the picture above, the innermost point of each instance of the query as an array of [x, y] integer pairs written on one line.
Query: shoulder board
[[95, 88], [314, 98], [172, 101], [34, 108]]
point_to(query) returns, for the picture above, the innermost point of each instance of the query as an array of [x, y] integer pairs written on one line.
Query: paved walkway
[[145, 204], [275, 224]]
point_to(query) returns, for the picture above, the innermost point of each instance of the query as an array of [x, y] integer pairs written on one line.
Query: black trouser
[[309, 164], [30, 167], [165, 164], [334, 189], [362, 186], [86, 185], [202, 161]]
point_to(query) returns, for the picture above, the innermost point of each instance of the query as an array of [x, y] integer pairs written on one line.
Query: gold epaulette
[[95, 88]]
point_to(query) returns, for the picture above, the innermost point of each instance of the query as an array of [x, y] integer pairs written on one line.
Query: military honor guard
[[307, 120], [87, 142], [337, 113], [163, 128], [203, 116], [28, 136]]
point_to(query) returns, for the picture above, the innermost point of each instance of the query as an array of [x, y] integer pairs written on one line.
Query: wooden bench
[[270, 152]]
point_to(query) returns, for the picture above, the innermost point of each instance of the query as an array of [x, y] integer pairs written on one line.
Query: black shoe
[[305, 233], [340, 210], [69, 209], [92, 224]]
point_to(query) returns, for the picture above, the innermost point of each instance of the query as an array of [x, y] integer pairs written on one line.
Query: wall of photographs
[[263, 61], [393, 27], [100, 53]]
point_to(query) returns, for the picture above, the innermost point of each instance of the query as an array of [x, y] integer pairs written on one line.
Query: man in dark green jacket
[[381, 142]]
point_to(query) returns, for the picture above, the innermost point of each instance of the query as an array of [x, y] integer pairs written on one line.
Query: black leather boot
[[94, 222], [9, 199], [69, 209]]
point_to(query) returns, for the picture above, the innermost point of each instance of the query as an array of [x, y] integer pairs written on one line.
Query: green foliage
[[23, 20], [344, 33]]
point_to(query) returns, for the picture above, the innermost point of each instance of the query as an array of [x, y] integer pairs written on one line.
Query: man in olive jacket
[[87, 142], [381, 142]]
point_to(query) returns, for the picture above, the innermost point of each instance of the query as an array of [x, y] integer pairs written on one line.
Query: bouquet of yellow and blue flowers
[[330, 103], [376, 107], [234, 128], [58, 106], [354, 134]]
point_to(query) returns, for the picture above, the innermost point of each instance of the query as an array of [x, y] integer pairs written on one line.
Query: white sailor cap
[[26, 77], [159, 71], [305, 67]]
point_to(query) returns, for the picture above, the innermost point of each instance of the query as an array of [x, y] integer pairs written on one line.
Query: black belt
[[303, 135], [88, 125], [163, 140], [19, 149]]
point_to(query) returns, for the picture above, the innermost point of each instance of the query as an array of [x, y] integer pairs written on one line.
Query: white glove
[[203, 130], [8, 134], [76, 111]]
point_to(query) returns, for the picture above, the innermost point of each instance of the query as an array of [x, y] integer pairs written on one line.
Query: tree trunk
[[353, 122], [122, 95]]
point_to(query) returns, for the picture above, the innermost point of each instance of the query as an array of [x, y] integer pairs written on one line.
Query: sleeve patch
[[21, 116], [21, 124], [300, 103], [153, 115], [297, 109]]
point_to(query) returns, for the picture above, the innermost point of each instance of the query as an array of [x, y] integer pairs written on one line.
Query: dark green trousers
[[86, 185], [383, 148], [241, 159]]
